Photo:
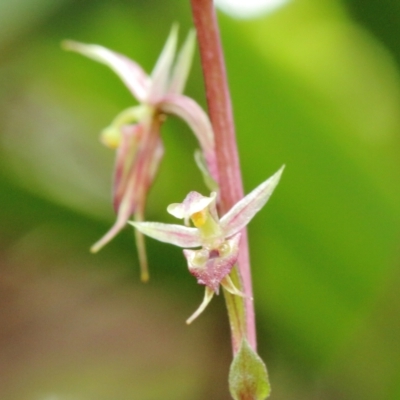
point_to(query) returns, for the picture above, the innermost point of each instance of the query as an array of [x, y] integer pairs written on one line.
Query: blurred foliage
[[316, 86]]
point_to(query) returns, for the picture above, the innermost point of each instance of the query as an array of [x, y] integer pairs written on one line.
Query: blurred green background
[[315, 85]]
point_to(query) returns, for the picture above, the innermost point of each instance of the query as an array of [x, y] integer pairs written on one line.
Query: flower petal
[[131, 73], [188, 110], [162, 70], [125, 159], [208, 295], [193, 203], [137, 164], [182, 65], [130, 194], [178, 235], [243, 211], [124, 212]]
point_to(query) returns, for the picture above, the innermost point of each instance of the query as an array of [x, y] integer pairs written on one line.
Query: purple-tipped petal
[[182, 65], [211, 266], [243, 211], [178, 235], [162, 70], [188, 110], [131, 73]]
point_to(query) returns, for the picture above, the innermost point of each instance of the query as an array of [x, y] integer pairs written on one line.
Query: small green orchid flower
[[135, 132], [218, 239]]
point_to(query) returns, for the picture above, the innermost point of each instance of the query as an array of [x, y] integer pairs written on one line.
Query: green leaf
[[248, 376]]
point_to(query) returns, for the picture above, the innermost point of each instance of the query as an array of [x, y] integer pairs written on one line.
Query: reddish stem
[[220, 110]]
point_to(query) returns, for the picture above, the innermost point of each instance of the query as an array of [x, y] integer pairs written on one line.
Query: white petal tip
[[94, 249], [65, 44], [70, 45]]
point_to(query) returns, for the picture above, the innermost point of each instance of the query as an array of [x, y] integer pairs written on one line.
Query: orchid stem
[[230, 180]]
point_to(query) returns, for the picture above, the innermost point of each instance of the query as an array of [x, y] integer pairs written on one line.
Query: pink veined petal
[[131, 73], [182, 65], [188, 110], [133, 197], [135, 169], [178, 235], [138, 181], [243, 211], [150, 172], [158, 153], [124, 213], [161, 73]]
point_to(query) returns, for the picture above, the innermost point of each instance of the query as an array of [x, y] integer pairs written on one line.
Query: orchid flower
[[135, 132], [218, 239]]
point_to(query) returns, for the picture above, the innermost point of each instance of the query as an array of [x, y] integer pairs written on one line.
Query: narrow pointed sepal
[[228, 285], [248, 376], [208, 295], [125, 210], [131, 73], [183, 64], [115, 229], [161, 72], [178, 235], [243, 211]]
